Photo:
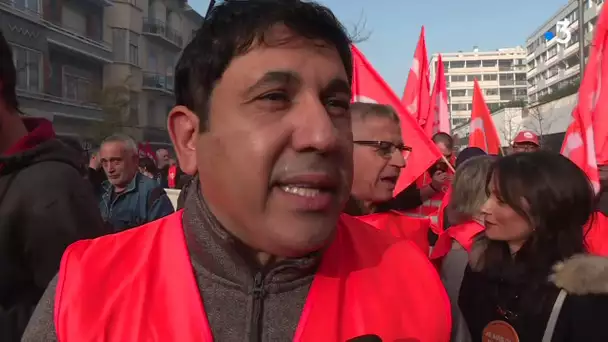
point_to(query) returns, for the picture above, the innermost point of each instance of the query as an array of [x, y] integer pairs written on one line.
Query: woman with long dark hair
[[529, 278]]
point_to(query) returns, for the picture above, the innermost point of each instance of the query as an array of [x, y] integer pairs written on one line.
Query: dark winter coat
[[45, 205]]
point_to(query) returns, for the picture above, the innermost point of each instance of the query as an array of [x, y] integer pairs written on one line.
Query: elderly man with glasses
[[379, 155]]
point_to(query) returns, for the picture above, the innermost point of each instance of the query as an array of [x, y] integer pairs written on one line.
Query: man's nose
[[397, 159], [314, 128]]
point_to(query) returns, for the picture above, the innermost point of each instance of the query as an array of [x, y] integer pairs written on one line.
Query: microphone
[[366, 338]]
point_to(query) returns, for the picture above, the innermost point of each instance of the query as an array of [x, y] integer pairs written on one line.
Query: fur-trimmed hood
[[582, 274]]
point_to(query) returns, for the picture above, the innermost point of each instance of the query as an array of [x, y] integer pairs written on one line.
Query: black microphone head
[[366, 338]]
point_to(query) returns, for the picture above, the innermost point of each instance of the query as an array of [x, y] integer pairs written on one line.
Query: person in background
[[45, 205], [529, 277], [450, 253], [596, 233], [379, 155], [445, 144], [96, 174], [129, 199], [148, 169], [261, 251], [525, 141], [162, 157]]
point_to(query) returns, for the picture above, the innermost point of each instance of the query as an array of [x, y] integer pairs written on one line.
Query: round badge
[[499, 331]]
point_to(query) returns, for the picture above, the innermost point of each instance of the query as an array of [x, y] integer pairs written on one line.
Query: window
[[489, 63], [552, 51], [133, 48], [490, 77], [76, 88], [460, 78], [152, 60], [28, 64], [152, 113], [459, 92], [471, 78], [491, 92], [459, 106], [457, 64], [473, 64], [27, 5]]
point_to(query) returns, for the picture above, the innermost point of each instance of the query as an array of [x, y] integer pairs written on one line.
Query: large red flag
[[483, 132], [585, 141], [416, 97], [368, 86], [439, 116]]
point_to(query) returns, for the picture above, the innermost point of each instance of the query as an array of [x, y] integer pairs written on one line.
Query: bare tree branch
[[359, 33]]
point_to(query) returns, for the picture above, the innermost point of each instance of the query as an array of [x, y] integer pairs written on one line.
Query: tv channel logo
[[562, 34]]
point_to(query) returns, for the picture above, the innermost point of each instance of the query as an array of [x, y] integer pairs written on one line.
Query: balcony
[[88, 42], [155, 81], [22, 8], [157, 28], [54, 104]]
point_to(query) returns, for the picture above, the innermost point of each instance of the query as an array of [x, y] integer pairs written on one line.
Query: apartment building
[[67, 51], [147, 38], [552, 65], [501, 75]]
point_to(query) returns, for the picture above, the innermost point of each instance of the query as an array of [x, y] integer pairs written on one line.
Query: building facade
[[501, 75], [67, 52], [552, 65]]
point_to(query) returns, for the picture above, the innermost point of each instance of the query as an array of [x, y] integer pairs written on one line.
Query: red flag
[[368, 86], [439, 115], [585, 141], [145, 151], [483, 132], [416, 98]]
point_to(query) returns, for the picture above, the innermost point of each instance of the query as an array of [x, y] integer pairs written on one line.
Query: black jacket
[[45, 205], [582, 317]]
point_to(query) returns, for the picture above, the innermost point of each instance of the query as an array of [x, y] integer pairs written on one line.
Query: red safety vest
[[464, 234], [138, 285], [596, 238], [430, 207], [171, 176], [401, 226]]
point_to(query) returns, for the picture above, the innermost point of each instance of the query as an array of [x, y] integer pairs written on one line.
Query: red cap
[[526, 137]]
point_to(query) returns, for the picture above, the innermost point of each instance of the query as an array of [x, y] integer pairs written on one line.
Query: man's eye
[[275, 96], [339, 103]]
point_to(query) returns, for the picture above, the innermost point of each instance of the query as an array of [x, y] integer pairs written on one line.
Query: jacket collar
[[109, 188], [218, 252], [582, 274]]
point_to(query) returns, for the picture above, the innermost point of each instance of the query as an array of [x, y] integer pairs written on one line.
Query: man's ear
[[183, 126]]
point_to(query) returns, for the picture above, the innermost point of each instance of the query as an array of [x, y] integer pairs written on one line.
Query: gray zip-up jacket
[[264, 304]]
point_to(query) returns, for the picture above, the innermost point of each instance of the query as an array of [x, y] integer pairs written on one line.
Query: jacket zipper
[[258, 295]]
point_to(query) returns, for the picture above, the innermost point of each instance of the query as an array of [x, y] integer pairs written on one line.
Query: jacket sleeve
[[61, 210], [159, 204], [41, 327], [64, 213]]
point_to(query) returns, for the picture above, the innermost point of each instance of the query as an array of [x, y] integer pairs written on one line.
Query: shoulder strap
[[557, 308]]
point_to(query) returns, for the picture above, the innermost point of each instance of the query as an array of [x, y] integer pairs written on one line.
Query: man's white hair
[[129, 143]]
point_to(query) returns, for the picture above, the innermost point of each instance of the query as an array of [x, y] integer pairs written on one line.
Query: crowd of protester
[[287, 226]]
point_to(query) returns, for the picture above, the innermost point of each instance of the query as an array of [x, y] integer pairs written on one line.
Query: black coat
[[45, 205], [582, 317]]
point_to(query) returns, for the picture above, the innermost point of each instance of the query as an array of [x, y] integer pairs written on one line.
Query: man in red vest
[[261, 251]]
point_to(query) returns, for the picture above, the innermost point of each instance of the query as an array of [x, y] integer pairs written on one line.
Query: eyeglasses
[[385, 149]]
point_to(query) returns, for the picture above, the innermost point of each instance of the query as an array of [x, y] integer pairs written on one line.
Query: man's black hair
[[8, 76], [232, 27]]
